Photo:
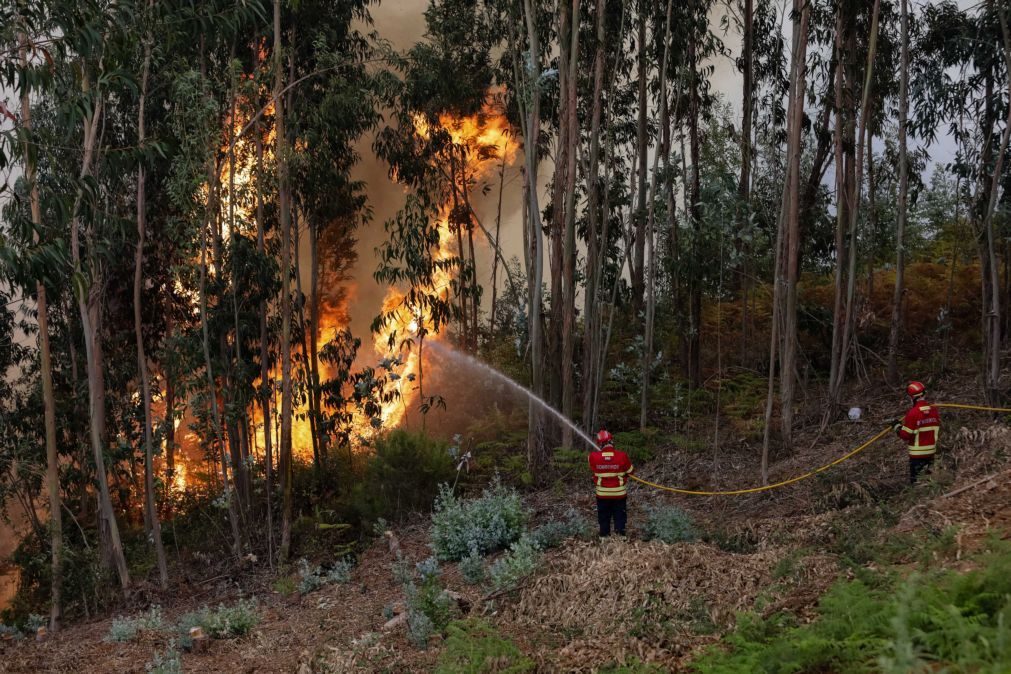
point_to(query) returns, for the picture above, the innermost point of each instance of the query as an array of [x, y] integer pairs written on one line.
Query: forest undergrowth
[[849, 571]]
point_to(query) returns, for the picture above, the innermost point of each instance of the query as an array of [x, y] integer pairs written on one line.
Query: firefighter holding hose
[[920, 429], [611, 468]]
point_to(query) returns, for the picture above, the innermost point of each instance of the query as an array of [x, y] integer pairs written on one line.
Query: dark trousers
[[608, 509], [918, 465]]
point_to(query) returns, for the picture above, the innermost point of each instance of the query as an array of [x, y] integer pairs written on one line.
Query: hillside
[[591, 606]]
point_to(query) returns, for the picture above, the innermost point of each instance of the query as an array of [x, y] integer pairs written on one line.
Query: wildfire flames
[[483, 141]]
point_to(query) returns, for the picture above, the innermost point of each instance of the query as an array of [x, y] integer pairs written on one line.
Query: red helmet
[[604, 437], [915, 389]]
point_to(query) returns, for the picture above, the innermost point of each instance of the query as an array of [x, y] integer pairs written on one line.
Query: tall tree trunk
[[150, 509], [266, 392], [536, 451], [89, 298], [695, 210], [744, 182], [569, 272], [281, 154], [46, 362], [591, 339], [848, 327], [993, 324], [314, 336], [647, 353], [641, 148], [791, 250]]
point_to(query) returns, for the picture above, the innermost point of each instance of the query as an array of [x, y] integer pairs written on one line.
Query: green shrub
[[125, 629], [639, 445], [938, 621], [668, 524], [488, 523], [315, 577], [552, 534], [472, 568], [473, 646], [430, 608], [221, 623], [512, 567], [403, 476], [169, 662]]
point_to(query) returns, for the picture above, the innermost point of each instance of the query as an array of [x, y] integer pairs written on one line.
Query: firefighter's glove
[[896, 426]]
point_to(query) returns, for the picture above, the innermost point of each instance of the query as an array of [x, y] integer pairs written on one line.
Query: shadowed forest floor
[[591, 606]]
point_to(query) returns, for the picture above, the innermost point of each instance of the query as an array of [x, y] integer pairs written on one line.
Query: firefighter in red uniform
[[920, 428], [611, 468]]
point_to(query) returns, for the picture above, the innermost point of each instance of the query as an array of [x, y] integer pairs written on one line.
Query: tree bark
[[280, 152], [150, 509], [647, 353], [46, 363], [641, 147], [569, 271], [536, 456]]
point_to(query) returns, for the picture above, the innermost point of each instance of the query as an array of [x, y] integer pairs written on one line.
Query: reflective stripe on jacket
[[921, 429], [611, 468]]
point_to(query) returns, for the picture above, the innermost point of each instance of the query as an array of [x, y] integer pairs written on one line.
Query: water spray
[[450, 352]]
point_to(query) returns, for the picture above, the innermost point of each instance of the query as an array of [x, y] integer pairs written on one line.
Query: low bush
[[473, 646], [222, 622], [168, 662], [488, 523], [940, 620], [125, 629], [668, 524], [403, 476], [430, 608], [512, 567], [552, 534], [315, 577], [472, 568]]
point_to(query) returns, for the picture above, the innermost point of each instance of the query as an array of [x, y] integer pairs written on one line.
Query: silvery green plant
[[488, 523], [511, 568]]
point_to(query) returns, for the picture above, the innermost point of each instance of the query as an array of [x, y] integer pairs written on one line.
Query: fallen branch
[[971, 485]]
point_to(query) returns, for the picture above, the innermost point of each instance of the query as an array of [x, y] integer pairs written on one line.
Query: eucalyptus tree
[[975, 110]]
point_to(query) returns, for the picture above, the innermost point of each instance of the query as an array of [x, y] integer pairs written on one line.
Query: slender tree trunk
[[590, 310], [281, 152], [854, 213], [89, 298], [266, 392], [569, 272], [536, 457], [46, 362], [642, 147], [647, 353], [314, 336], [695, 209], [791, 261], [497, 245], [150, 509], [993, 324], [744, 182]]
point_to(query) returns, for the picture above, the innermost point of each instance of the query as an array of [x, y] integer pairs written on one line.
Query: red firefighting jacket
[[611, 468], [921, 428]]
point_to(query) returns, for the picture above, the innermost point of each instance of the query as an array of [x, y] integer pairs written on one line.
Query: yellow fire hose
[[798, 478]]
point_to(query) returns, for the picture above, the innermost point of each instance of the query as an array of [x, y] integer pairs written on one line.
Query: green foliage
[[315, 577], [223, 622], [958, 622], [552, 534], [639, 445], [125, 629], [473, 646], [285, 585], [430, 608], [403, 476], [512, 567], [668, 524], [488, 523], [167, 662], [472, 568]]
